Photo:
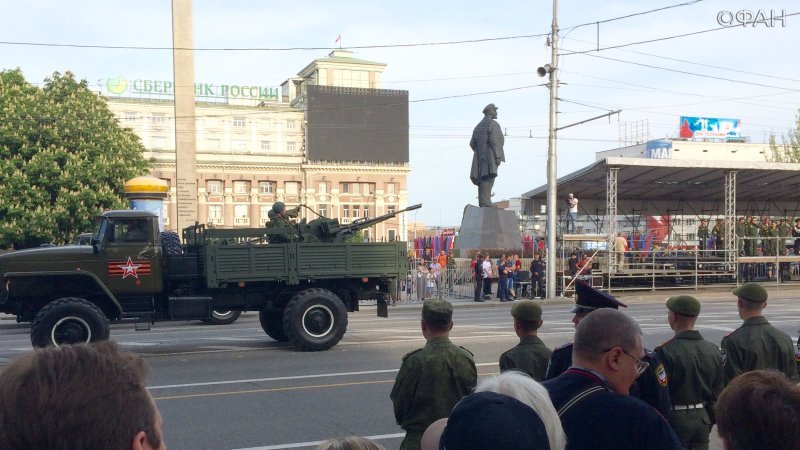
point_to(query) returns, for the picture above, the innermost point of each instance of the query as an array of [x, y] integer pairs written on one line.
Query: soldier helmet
[[278, 207]]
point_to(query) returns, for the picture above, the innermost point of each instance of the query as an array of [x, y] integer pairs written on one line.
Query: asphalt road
[[232, 387]]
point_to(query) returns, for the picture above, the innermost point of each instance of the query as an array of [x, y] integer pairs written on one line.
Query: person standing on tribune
[[487, 146], [572, 212]]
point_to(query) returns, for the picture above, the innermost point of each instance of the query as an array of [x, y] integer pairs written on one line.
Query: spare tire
[[171, 243]]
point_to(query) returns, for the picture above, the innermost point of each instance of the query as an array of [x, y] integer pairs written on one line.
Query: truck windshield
[[99, 228]]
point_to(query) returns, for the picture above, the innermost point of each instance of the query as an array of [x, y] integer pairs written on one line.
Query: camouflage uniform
[[751, 247], [702, 234], [431, 379], [741, 232]]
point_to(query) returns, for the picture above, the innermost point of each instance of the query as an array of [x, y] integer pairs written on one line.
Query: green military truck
[[302, 287]]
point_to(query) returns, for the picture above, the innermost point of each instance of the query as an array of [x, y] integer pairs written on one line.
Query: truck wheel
[[223, 317], [171, 243], [69, 320], [315, 319], [272, 324]]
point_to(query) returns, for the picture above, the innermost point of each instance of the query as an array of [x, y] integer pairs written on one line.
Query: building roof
[[690, 186]]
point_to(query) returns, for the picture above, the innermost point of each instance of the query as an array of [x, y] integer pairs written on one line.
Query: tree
[[789, 148], [63, 159]]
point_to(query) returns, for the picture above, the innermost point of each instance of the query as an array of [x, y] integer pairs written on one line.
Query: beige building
[[251, 150]]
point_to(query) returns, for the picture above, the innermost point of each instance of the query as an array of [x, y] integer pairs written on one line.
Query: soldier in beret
[[652, 384], [432, 379], [756, 344], [695, 373], [530, 355]]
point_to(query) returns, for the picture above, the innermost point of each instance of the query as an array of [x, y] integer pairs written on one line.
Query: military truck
[[302, 287]]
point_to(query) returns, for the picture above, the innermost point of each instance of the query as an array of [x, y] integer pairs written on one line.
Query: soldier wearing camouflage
[[432, 379]]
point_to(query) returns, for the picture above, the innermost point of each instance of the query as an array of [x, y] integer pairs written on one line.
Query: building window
[[265, 145], [323, 188], [264, 215], [390, 188], [266, 187], [392, 234], [213, 144], [159, 119], [368, 188], [214, 186], [322, 210], [390, 209], [239, 121], [345, 211], [239, 145], [130, 117], [292, 187], [356, 211], [290, 146], [291, 124], [366, 211], [215, 214], [158, 142], [344, 188], [241, 187]]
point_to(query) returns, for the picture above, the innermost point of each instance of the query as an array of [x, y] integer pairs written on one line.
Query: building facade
[[252, 152]]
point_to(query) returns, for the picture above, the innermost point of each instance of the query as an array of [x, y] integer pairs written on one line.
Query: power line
[[633, 14], [648, 41]]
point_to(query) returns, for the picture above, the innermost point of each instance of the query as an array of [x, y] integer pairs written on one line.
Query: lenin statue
[[487, 146]]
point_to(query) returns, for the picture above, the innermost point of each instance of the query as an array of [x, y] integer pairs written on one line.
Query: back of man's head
[[759, 409], [76, 397], [601, 330]]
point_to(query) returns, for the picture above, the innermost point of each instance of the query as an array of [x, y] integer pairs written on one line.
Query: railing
[[215, 220], [241, 221]]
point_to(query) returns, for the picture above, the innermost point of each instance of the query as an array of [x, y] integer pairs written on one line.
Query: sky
[[751, 73]]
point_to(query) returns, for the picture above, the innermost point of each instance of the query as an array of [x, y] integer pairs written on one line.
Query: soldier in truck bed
[[280, 220]]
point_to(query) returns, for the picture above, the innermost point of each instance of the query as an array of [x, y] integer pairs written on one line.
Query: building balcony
[[241, 221], [215, 221]]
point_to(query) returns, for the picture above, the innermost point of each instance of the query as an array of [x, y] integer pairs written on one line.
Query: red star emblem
[[129, 268]]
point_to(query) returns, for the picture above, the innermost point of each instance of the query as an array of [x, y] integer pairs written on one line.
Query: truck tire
[[272, 324], [171, 243], [69, 320], [315, 320], [223, 317]]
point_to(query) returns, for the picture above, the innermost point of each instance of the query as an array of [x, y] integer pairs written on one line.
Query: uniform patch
[[661, 374], [724, 355]]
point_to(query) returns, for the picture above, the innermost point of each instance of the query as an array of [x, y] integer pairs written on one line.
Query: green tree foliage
[[63, 159], [789, 148]]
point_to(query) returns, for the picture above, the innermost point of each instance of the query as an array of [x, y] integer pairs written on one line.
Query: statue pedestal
[[485, 228]]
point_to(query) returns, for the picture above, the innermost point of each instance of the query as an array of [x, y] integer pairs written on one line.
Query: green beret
[[751, 291], [527, 310], [685, 305], [437, 312]]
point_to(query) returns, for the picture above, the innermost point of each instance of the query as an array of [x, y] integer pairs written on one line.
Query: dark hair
[[759, 409], [76, 396]]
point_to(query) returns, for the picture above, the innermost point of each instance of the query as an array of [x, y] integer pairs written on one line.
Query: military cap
[[488, 107], [685, 305], [589, 299], [527, 310], [474, 423], [278, 207], [751, 291], [437, 312]]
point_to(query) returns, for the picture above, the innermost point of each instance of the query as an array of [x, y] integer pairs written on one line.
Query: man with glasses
[[592, 396], [652, 386], [694, 366]]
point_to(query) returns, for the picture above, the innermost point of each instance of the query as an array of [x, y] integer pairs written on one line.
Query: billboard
[[357, 124], [659, 149], [709, 128]]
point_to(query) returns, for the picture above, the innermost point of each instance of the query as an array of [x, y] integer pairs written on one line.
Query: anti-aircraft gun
[[326, 230]]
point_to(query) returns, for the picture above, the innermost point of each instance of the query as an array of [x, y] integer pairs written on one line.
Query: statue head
[[491, 110], [278, 207]]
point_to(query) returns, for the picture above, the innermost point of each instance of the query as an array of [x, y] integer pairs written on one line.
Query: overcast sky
[[750, 73]]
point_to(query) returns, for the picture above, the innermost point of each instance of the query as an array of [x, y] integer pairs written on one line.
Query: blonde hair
[[349, 443]]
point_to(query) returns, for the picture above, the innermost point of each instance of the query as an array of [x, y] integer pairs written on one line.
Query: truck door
[[132, 257]]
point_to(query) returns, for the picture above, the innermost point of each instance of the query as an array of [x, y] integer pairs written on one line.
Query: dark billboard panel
[[356, 124]]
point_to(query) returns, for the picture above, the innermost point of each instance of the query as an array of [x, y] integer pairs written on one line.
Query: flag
[[338, 38]]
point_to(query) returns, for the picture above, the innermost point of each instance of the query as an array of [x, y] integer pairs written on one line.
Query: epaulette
[[410, 353], [470, 353], [563, 346]]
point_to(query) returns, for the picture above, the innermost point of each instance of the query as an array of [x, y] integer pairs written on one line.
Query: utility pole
[[552, 208]]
